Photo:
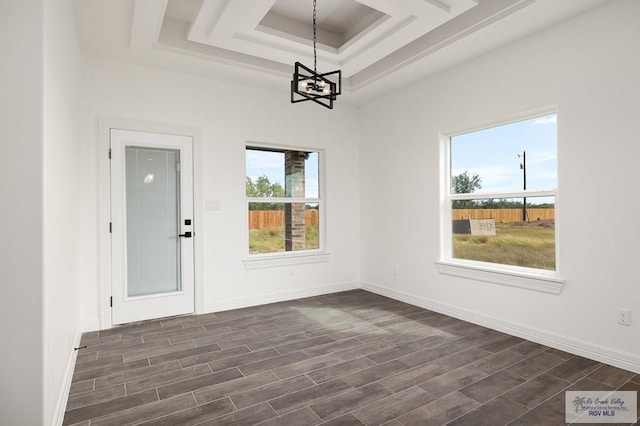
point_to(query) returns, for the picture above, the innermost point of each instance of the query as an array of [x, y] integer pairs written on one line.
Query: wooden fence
[[504, 215], [259, 219]]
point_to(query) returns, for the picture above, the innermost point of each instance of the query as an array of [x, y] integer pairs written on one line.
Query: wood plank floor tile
[[273, 363], [393, 406], [199, 382], [535, 365], [486, 389], [303, 416], [346, 420], [109, 370], [173, 355], [167, 377], [413, 377], [145, 412], [347, 358], [98, 363], [574, 369], [306, 366], [499, 411], [83, 386], [155, 352], [114, 405], [247, 416], [213, 356], [440, 411], [350, 400], [536, 390], [271, 391], [611, 376], [231, 387], [453, 380], [308, 396], [373, 374], [340, 369], [92, 398], [135, 374], [244, 359], [195, 415]]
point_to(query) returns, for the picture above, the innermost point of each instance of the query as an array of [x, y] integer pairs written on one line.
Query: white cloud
[[553, 119], [542, 157], [493, 178]]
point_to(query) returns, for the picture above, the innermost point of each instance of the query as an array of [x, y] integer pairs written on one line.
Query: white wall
[[21, 269], [65, 203], [227, 117], [589, 68]]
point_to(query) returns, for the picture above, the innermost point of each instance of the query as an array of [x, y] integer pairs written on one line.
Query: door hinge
[[110, 227], [111, 301], [109, 153]]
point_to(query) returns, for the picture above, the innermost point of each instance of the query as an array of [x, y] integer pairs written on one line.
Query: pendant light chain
[[308, 85], [315, 50]]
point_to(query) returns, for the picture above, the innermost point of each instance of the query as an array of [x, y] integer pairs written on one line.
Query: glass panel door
[[152, 226], [153, 212]]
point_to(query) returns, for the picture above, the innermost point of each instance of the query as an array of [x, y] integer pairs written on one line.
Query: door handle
[[187, 234]]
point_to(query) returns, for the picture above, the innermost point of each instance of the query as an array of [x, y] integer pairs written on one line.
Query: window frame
[[542, 280], [296, 257]]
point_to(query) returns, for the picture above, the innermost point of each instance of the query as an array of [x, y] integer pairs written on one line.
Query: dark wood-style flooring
[[351, 358]]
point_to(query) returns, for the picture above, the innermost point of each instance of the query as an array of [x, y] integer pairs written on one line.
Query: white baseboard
[[63, 397], [627, 361], [245, 302]]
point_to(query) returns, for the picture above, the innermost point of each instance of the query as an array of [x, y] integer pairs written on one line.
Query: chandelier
[[308, 85]]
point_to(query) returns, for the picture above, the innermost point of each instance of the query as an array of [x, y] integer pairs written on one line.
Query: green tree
[[464, 183], [262, 187]]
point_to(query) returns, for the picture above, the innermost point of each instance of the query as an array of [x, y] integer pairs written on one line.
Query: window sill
[[260, 261], [524, 280]]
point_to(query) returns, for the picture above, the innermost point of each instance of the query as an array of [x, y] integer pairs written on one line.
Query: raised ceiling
[[377, 44]]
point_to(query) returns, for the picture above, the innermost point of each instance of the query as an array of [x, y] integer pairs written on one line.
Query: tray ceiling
[[369, 40]]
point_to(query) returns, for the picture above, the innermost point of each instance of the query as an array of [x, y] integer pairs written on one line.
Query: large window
[[283, 200], [501, 196]]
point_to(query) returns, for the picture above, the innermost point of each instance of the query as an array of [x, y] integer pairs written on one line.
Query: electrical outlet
[[624, 316]]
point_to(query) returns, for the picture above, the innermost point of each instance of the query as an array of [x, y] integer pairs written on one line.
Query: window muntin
[[283, 200], [507, 175]]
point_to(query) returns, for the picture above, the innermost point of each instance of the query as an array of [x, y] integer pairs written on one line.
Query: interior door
[[151, 225]]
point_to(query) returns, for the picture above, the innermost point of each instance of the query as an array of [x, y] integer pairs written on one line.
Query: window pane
[[512, 157], [312, 187], [279, 227], [282, 173], [494, 231], [265, 173]]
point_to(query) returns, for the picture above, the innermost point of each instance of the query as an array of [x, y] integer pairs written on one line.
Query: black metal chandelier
[[308, 85]]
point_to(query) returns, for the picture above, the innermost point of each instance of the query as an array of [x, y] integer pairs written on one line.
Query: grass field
[[514, 244], [270, 240]]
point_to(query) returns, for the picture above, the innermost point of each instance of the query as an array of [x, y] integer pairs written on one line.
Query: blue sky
[[493, 155], [271, 164]]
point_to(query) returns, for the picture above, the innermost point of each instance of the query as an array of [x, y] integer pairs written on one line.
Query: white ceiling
[[378, 44]]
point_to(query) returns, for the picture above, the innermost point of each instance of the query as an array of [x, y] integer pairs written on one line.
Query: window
[[501, 197], [283, 200]]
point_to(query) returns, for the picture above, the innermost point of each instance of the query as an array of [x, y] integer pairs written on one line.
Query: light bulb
[[322, 84], [302, 85], [326, 91]]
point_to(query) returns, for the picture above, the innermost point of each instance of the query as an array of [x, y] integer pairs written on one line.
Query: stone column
[[294, 213]]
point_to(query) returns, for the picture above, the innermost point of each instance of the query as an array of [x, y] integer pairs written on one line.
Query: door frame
[[105, 124]]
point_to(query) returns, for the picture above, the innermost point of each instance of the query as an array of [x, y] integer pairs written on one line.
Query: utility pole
[[523, 167]]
